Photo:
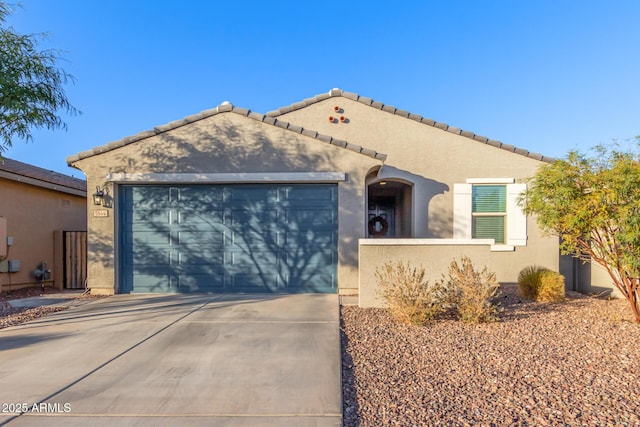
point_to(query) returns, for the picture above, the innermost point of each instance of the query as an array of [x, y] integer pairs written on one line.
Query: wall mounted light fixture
[[98, 196]]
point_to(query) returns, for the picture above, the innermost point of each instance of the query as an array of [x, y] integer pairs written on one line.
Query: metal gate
[[75, 259]]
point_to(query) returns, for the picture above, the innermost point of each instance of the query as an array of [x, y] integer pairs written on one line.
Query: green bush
[[541, 284], [410, 298], [471, 292], [529, 281]]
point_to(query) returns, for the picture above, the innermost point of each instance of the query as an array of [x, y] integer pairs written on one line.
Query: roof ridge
[[406, 114], [224, 108]]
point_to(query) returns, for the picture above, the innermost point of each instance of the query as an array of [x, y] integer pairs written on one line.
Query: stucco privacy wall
[[434, 255], [434, 156], [33, 214], [226, 142]]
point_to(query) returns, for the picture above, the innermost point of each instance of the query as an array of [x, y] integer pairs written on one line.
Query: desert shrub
[[551, 287], [471, 292], [410, 298], [541, 284], [529, 281]]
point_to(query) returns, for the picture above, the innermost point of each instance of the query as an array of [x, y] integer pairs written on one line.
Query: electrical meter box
[[3, 236]]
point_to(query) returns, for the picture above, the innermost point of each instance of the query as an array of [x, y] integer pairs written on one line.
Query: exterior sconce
[[332, 119], [336, 108], [98, 196], [342, 119]]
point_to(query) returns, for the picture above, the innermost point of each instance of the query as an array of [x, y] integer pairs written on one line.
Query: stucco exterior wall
[[434, 255], [226, 143], [33, 214], [434, 160]]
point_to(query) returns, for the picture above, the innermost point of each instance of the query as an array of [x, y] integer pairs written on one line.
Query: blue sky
[[548, 76]]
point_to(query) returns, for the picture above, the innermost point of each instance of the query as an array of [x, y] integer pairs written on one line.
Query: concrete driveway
[[167, 360]]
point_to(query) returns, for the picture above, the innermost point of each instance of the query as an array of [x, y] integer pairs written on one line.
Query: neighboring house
[[43, 218], [312, 197]]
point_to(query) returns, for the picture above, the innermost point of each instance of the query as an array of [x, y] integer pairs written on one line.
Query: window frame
[[493, 214], [515, 220]]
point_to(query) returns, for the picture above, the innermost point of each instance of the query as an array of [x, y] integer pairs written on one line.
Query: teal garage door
[[228, 238]]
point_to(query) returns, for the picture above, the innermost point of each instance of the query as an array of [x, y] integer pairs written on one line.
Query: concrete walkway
[[62, 299], [196, 360]]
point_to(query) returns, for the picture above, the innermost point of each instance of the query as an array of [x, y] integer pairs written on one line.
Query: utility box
[[14, 266], [10, 266], [3, 236]]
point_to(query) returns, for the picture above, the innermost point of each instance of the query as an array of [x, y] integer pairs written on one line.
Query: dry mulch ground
[[10, 316], [575, 363]]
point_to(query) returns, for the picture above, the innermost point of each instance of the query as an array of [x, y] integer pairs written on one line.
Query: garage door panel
[[153, 283], [256, 282], [249, 240], [310, 193], [310, 218], [142, 217], [200, 237], [244, 218], [201, 196], [154, 257], [308, 240], [143, 238], [207, 217], [254, 258], [229, 238], [212, 256], [150, 198], [249, 195], [201, 282], [307, 261]]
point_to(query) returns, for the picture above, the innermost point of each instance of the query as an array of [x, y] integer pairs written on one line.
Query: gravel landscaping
[[11, 316], [575, 363]]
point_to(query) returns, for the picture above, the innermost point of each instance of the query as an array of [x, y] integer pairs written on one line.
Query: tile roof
[[19, 171], [223, 108], [403, 113]]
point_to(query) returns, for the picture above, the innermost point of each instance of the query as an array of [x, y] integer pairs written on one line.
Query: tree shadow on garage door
[[229, 238]]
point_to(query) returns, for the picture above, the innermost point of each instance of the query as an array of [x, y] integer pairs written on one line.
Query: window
[[487, 208], [489, 211]]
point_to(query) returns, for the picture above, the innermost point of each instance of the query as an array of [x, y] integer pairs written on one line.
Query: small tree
[[31, 85], [593, 205]]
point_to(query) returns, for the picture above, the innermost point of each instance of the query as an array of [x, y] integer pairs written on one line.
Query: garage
[[249, 238]]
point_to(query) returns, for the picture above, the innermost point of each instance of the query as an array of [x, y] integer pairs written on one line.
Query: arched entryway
[[389, 207]]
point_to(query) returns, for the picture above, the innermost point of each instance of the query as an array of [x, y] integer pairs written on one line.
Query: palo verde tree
[[31, 85], [593, 204]]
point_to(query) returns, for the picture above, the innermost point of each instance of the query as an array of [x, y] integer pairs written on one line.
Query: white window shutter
[[516, 219], [462, 211]]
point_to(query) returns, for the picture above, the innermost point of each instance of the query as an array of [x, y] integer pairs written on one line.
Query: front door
[[381, 217]]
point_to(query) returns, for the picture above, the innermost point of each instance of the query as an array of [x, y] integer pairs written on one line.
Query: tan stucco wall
[[227, 143], [435, 257], [33, 214], [434, 160]]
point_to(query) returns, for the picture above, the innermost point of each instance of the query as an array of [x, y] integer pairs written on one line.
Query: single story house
[[312, 197], [43, 219]]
